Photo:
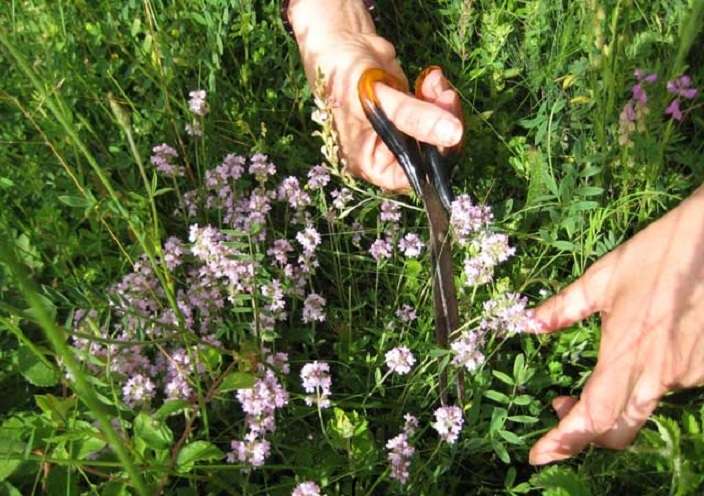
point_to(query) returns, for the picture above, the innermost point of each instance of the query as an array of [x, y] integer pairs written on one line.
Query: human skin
[[649, 291], [338, 37]]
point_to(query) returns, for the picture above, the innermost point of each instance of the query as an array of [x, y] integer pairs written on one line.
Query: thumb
[[577, 301], [422, 120]]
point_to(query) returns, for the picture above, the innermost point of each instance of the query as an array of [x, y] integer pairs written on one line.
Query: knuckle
[[382, 46]]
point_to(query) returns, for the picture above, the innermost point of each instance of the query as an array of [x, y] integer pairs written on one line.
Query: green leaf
[[197, 451], [74, 201], [154, 432], [503, 377], [510, 437], [11, 450], [38, 372], [237, 380], [56, 408], [519, 369], [523, 419], [501, 451], [559, 480], [522, 400], [171, 407], [497, 396]]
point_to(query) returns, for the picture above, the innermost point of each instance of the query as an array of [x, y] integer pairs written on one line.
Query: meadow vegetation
[[195, 299]]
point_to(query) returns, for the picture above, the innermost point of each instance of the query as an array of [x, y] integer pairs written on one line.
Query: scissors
[[429, 176]]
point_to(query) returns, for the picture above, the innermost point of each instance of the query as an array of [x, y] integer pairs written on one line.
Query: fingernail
[[449, 132]]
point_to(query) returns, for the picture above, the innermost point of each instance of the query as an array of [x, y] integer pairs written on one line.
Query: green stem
[[80, 384]]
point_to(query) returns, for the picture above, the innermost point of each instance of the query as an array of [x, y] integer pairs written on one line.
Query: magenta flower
[[260, 167], [341, 197], [137, 390], [682, 88]]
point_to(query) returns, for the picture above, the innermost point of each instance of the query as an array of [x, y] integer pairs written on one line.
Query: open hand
[[650, 295]]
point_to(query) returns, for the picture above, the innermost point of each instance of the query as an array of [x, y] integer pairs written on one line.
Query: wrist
[[314, 21]]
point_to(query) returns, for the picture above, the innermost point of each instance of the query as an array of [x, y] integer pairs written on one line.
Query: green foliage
[[542, 83]]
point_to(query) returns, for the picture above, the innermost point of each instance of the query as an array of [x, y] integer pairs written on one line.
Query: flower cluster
[[306, 489], [381, 249], [318, 177], [197, 103], [507, 314], [162, 158], [411, 245], [486, 249], [314, 308], [632, 117], [467, 350], [448, 423], [401, 451], [400, 360], [317, 382], [260, 403], [682, 88], [406, 313]]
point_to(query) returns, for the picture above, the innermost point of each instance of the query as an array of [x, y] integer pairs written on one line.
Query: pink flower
[[507, 313], [291, 191], [197, 102], [380, 249], [467, 218], [317, 381], [314, 308], [279, 251], [390, 211], [306, 489], [399, 456], [467, 350], [137, 390], [252, 451], [400, 360], [410, 245], [173, 251], [260, 167], [341, 197], [448, 423], [674, 110], [406, 313], [309, 239], [318, 177], [162, 156]]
